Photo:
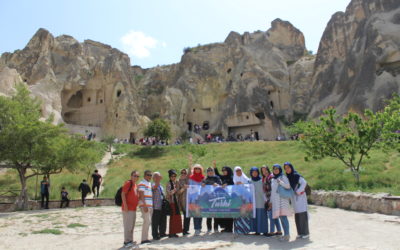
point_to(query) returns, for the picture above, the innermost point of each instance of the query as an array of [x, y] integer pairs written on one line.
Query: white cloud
[[138, 44]]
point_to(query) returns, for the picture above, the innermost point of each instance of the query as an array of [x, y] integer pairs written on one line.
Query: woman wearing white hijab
[[242, 224], [239, 177]]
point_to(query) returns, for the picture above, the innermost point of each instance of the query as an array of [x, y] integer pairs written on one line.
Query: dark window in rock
[[229, 70], [116, 115], [230, 81], [25, 80], [247, 117], [119, 92], [101, 100], [269, 92], [272, 104], [260, 115], [241, 74], [89, 99], [194, 110], [189, 126], [206, 125]]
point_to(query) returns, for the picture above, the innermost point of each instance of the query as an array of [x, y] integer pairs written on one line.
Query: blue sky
[[154, 32]]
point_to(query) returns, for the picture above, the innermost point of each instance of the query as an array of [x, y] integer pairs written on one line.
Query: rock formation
[[358, 61], [256, 82]]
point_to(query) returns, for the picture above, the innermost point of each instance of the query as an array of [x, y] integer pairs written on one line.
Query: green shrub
[[48, 231]]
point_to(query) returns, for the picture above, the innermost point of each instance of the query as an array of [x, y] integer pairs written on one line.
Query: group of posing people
[[272, 209]]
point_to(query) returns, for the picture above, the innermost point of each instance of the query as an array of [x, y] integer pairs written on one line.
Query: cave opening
[[76, 100]]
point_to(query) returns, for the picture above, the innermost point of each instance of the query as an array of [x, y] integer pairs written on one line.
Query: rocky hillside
[[358, 60], [256, 82]]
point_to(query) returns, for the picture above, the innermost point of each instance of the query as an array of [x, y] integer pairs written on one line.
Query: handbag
[[165, 206], [285, 193]]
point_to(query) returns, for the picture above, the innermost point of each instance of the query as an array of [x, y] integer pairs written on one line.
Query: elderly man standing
[[159, 218], [146, 204]]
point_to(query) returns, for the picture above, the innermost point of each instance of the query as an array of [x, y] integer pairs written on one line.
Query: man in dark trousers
[[84, 189], [96, 182], [159, 218], [44, 192], [64, 197]]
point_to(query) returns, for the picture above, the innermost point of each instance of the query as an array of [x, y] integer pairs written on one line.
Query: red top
[[132, 196]]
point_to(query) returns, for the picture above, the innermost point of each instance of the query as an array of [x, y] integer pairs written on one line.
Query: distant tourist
[[44, 192], [159, 218], [175, 222], [85, 190], [299, 201], [146, 204], [96, 182], [64, 197], [130, 200], [280, 205]]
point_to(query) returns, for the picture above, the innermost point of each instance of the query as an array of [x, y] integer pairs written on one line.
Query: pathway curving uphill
[[102, 167]]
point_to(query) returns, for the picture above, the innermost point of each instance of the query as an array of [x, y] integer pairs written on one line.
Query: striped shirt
[[145, 187]]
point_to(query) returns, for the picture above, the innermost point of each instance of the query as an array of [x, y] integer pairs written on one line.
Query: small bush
[[331, 202], [48, 231], [74, 225]]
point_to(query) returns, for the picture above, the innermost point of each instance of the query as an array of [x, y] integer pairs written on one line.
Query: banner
[[229, 202]]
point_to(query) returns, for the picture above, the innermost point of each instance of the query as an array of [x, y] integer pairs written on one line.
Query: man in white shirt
[[146, 204]]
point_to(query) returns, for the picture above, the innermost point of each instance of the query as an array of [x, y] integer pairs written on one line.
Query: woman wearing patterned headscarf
[[299, 201], [259, 225], [175, 219], [280, 205]]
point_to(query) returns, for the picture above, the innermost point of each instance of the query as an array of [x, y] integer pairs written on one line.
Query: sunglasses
[[149, 175], [173, 176], [136, 176], [183, 173]]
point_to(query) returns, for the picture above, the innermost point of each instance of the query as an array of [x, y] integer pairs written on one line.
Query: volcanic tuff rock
[[85, 83], [253, 81], [358, 61]]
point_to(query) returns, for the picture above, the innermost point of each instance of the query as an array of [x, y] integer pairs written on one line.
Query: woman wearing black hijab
[[227, 179]]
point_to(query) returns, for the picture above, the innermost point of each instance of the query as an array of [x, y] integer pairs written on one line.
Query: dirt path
[[102, 167], [101, 228]]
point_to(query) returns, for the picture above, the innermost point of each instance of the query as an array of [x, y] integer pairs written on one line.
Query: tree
[[31, 146], [350, 138], [159, 129], [109, 140]]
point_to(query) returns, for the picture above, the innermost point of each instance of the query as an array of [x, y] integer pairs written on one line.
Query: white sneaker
[[285, 238], [128, 245], [208, 231], [197, 232], [305, 236]]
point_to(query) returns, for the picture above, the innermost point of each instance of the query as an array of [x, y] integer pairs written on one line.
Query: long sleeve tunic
[[280, 206], [299, 201]]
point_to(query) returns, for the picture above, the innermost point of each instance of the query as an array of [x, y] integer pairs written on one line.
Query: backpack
[[308, 190], [118, 198]]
